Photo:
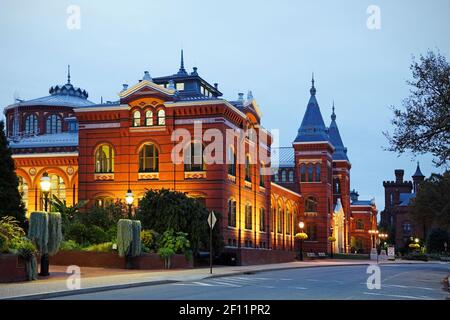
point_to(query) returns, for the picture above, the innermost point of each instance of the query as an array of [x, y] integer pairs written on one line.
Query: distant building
[[396, 216]]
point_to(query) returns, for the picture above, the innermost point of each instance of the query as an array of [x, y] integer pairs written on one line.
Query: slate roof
[[312, 128], [285, 156], [362, 203], [64, 139], [418, 173], [405, 199], [340, 152]]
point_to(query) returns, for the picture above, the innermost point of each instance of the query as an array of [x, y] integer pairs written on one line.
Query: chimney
[[241, 96], [399, 175], [216, 85], [125, 87]]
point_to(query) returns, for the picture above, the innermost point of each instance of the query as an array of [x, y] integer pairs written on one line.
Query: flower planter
[[12, 268], [149, 261]]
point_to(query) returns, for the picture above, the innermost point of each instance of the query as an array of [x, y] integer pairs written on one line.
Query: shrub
[[436, 240], [69, 245], [171, 243], [101, 247], [27, 251], [301, 236], [77, 232], [10, 231], [416, 256], [86, 235], [149, 239]]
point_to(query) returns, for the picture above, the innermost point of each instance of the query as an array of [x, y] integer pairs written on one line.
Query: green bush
[[69, 245], [416, 256], [27, 251], [101, 247], [10, 232], [149, 239], [86, 235]]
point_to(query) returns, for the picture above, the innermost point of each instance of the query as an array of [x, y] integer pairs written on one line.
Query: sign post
[[211, 221]]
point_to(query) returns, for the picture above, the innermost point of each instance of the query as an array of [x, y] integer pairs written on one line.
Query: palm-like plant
[[68, 213]]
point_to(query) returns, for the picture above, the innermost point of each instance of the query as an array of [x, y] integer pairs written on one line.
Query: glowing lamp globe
[[45, 182], [129, 197]]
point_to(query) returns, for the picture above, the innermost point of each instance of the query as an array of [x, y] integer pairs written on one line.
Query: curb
[[57, 294]]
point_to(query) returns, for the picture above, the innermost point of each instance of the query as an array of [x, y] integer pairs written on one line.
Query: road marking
[[205, 284], [301, 288], [398, 296], [408, 287], [314, 280], [227, 284], [286, 279]]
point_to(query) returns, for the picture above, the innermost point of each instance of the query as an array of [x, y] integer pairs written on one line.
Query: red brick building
[[100, 151]]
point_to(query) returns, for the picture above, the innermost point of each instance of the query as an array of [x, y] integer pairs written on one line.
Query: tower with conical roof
[[341, 185], [418, 178], [313, 162]]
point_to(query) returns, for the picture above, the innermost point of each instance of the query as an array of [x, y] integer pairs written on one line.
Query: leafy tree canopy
[[424, 124]]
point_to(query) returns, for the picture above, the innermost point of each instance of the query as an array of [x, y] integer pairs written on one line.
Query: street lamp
[[45, 185], [129, 198], [301, 225], [416, 240]]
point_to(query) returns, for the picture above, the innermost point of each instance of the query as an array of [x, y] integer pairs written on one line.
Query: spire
[[418, 173], [68, 73], [313, 89], [182, 69], [333, 115], [340, 151], [312, 128]]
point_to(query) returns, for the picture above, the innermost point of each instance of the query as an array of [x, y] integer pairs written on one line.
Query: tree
[[10, 197], [162, 210], [424, 125], [432, 203]]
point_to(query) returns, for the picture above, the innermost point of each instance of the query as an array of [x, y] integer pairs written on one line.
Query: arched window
[[103, 201], [406, 228], [311, 231], [288, 220], [337, 186], [57, 189], [161, 117], [104, 159], [248, 217], [262, 219], [23, 190], [359, 224], [232, 213], [248, 174], [291, 176], [193, 157], [148, 118], [317, 172], [280, 219], [137, 118], [231, 161], [31, 124], [303, 172], [148, 158], [53, 124], [283, 176], [275, 176], [310, 204], [310, 172]]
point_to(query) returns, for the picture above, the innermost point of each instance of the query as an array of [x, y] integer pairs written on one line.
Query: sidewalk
[[100, 279]]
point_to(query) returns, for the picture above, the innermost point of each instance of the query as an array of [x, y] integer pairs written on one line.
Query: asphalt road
[[401, 281]]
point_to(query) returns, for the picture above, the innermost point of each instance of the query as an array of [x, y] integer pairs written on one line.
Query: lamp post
[[129, 198], [301, 224], [45, 189]]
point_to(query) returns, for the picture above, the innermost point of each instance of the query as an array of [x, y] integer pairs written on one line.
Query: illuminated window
[[232, 213], [136, 118], [161, 117], [104, 159], [279, 219], [179, 86], [149, 118], [193, 157], [310, 204], [23, 190], [288, 220], [231, 161], [148, 158], [53, 124], [262, 219], [248, 217], [31, 124], [57, 189], [103, 202], [359, 224], [248, 176]]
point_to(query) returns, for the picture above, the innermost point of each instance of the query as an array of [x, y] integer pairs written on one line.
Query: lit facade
[[99, 151]]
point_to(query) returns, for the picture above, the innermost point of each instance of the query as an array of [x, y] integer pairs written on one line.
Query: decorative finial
[[313, 89], [182, 70], [333, 115], [68, 73]]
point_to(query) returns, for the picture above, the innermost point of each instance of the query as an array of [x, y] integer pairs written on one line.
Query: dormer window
[[149, 118], [179, 86], [53, 124], [136, 118], [161, 117]]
